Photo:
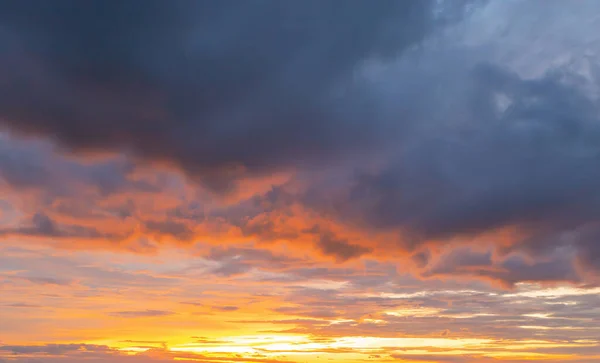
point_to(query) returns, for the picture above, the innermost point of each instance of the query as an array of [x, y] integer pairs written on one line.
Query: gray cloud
[[239, 260], [30, 165], [43, 269], [331, 245], [170, 227], [461, 258], [341, 249], [53, 349], [43, 226], [530, 164], [209, 85], [141, 313], [67, 353], [486, 149], [22, 305], [508, 270], [226, 308]]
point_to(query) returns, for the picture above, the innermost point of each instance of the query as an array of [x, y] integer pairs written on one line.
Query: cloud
[[61, 353], [342, 250], [459, 259], [34, 165], [528, 165], [141, 313], [172, 228], [39, 280], [52, 349], [44, 226], [22, 305], [221, 89], [331, 245], [491, 150], [239, 260], [441, 358], [397, 135], [507, 270], [226, 308], [363, 316]]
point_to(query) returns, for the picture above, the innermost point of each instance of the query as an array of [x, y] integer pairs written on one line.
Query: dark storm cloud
[[141, 313], [588, 243], [209, 85], [494, 150], [77, 352]]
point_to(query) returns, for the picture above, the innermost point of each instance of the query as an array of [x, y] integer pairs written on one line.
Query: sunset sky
[[290, 181]]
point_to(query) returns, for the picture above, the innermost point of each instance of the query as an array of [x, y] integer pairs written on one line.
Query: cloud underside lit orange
[[286, 182]]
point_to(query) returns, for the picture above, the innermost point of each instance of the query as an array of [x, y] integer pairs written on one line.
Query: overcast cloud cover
[[279, 142], [428, 119]]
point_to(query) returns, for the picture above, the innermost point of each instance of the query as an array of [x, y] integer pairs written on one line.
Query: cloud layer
[[396, 171], [219, 88]]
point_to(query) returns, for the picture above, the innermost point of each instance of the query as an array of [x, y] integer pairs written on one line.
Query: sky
[[268, 181]]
